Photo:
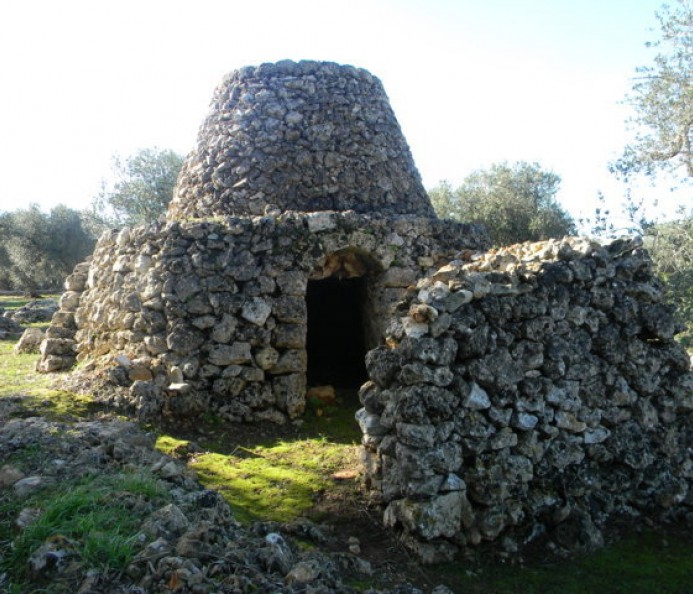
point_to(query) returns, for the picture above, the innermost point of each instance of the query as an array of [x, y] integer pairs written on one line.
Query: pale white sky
[[472, 82]]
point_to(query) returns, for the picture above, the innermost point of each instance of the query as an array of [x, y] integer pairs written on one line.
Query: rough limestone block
[[30, 341], [237, 353], [440, 516], [292, 336], [290, 392], [256, 311]]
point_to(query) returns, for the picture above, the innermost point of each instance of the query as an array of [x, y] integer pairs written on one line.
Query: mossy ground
[[280, 473], [277, 477], [32, 394]]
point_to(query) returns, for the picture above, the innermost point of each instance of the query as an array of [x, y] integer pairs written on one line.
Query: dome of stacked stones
[[299, 136]]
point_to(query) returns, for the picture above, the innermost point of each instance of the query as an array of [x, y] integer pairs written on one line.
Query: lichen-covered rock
[[30, 341]]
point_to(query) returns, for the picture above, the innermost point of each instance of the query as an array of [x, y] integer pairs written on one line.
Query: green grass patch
[[95, 519], [20, 380], [13, 301], [170, 445], [642, 563], [276, 478], [275, 482]]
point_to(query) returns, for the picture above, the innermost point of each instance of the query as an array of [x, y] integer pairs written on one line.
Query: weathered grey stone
[[256, 310], [292, 283], [418, 436], [524, 421], [320, 221], [399, 277], [292, 361], [186, 287], [224, 329], [477, 399], [24, 487], [57, 346], [167, 522], [290, 392], [30, 341], [290, 309], [237, 353], [41, 310], [441, 516], [184, 339], [291, 336], [369, 423], [383, 364], [267, 358]]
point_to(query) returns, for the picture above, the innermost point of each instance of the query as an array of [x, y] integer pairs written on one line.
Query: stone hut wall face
[[534, 393], [307, 136], [213, 315]]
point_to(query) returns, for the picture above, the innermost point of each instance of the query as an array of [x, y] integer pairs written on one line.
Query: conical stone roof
[[300, 136]]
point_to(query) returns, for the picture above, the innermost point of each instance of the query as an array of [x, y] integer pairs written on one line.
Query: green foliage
[[143, 187], [662, 98], [92, 518], [515, 202], [605, 225], [38, 250], [671, 247]]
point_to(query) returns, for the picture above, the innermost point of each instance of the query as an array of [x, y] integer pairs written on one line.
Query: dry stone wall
[[200, 316], [530, 394], [304, 136]]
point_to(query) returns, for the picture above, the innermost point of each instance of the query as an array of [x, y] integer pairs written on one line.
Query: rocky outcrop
[[303, 136], [534, 392], [9, 328], [40, 310]]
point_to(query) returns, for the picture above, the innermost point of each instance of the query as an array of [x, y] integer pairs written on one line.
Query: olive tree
[[662, 101], [38, 250], [140, 191], [515, 202]]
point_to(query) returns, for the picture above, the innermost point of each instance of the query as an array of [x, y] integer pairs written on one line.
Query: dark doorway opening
[[336, 340]]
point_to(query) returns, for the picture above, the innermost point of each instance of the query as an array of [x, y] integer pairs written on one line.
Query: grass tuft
[[94, 518]]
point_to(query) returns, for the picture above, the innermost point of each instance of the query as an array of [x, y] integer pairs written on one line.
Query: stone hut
[[297, 224], [518, 396]]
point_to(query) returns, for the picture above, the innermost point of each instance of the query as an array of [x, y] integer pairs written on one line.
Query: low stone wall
[[529, 394], [212, 315]]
